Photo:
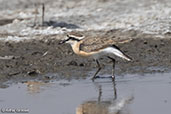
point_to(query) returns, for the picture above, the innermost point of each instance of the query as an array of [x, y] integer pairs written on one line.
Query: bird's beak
[[62, 42]]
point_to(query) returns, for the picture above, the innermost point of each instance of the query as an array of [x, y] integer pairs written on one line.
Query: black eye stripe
[[72, 38], [67, 39]]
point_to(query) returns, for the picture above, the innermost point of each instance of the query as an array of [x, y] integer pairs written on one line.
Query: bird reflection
[[34, 87], [100, 91], [99, 106]]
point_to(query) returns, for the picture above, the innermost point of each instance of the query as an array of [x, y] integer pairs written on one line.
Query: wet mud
[[34, 59], [41, 76]]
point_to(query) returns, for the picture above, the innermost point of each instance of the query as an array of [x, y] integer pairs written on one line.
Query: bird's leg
[[100, 94], [99, 68], [114, 90], [99, 87], [113, 69]]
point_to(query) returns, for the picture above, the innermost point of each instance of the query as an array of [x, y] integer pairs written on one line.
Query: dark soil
[[45, 59]]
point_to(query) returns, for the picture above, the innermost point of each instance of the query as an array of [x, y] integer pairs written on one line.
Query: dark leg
[[100, 94], [99, 68], [113, 69], [114, 90], [99, 87]]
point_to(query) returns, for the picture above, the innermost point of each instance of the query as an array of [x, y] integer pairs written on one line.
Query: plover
[[109, 51]]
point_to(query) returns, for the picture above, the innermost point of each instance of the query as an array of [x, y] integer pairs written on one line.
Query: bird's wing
[[114, 50]]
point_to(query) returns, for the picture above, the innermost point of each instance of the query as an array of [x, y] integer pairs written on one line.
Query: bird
[[109, 51]]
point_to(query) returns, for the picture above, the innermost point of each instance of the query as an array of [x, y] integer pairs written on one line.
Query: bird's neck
[[76, 49]]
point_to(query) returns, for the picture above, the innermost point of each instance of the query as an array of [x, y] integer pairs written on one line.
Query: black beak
[[62, 42]]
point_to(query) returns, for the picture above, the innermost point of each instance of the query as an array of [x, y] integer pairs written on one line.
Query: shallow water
[[132, 94]]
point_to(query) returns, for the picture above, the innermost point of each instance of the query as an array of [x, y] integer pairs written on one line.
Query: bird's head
[[72, 39]]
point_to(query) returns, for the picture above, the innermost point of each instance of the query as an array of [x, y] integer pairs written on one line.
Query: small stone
[[155, 46], [81, 64], [145, 42], [73, 63], [33, 72]]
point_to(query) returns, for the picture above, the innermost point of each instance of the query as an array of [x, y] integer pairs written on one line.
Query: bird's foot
[[93, 78], [97, 77], [113, 78]]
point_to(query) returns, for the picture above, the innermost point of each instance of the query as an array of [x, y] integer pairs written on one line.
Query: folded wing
[[116, 51]]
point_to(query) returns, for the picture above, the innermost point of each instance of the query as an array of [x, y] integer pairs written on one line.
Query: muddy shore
[[30, 51], [40, 76], [34, 59]]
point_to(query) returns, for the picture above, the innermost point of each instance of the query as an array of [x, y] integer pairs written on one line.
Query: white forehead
[[77, 37]]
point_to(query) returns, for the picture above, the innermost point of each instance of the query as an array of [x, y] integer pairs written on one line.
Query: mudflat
[[43, 55]]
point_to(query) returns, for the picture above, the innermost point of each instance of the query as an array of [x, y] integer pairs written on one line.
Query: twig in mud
[[12, 74], [43, 11], [8, 57], [45, 53], [36, 12], [125, 41]]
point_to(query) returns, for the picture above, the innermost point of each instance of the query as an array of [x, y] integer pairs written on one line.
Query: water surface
[[132, 94]]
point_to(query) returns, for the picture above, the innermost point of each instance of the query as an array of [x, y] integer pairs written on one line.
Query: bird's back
[[113, 50]]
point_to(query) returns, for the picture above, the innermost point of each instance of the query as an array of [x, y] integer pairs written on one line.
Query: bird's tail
[[116, 51], [126, 57]]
